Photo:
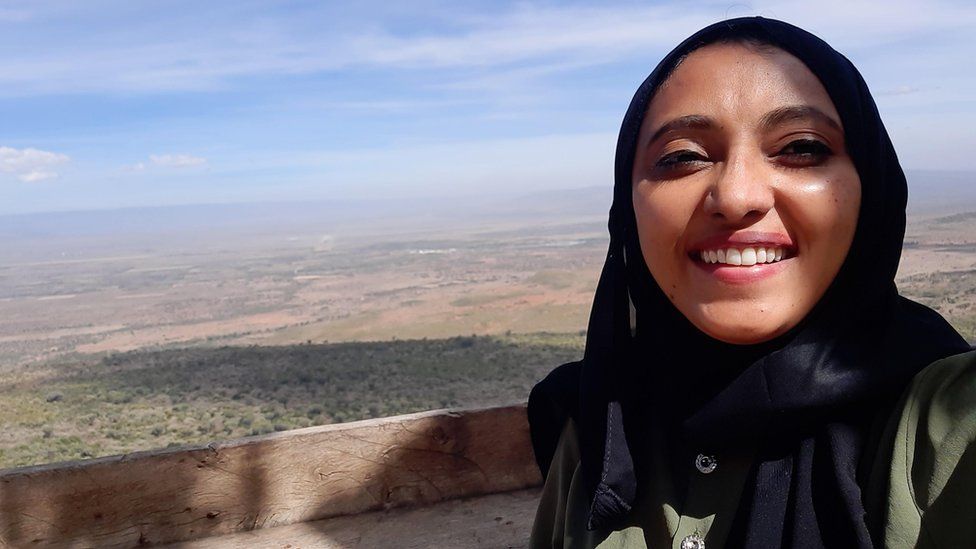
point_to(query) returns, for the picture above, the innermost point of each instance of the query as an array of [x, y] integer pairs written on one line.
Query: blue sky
[[106, 104]]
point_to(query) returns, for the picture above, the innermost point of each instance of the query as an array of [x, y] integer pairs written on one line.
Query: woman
[[751, 376]]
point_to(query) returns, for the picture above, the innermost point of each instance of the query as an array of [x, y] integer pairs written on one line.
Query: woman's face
[[745, 198]]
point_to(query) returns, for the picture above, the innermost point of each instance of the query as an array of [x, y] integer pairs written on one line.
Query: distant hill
[[327, 214], [937, 192], [930, 193]]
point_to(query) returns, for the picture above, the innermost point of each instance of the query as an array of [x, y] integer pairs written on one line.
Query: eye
[[804, 152], [679, 159]]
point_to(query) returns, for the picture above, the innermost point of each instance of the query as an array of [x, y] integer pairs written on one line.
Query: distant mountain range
[[931, 192]]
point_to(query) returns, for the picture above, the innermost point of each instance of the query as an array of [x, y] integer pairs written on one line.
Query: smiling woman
[[751, 376], [746, 201]]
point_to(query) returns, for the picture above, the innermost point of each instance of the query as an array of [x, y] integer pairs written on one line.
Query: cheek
[[662, 218], [838, 211], [825, 218], [848, 204]]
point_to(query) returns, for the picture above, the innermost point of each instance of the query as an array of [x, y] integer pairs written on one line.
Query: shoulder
[[549, 526], [933, 474], [949, 377], [552, 403], [940, 421]]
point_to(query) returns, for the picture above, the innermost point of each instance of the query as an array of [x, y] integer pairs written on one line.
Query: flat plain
[[118, 334]]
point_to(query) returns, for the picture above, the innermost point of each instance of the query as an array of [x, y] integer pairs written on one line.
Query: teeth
[[749, 256], [733, 257], [745, 256]]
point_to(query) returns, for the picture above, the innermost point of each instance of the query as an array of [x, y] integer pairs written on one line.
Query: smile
[[746, 256]]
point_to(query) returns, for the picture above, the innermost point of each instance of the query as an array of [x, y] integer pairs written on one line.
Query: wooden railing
[[308, 474]]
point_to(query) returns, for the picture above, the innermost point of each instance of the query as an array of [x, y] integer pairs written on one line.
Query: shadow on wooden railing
[[308, 474]]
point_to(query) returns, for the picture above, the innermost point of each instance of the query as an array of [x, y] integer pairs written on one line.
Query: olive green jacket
[[922, 485]]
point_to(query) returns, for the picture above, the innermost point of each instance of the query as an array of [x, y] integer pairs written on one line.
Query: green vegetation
[[951, 293], [63, 397], [554, 279], [484, 299], [149, 399], [964, 217]]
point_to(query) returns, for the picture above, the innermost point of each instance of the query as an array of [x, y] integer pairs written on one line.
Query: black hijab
[[805, 400]]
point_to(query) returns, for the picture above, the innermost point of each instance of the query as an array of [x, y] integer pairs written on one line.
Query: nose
[[742, 191]]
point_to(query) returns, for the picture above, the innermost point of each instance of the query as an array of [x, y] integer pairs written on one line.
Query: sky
[[109, 104]]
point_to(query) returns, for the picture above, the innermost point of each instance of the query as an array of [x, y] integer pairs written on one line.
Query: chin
[[738, 323], [741, 334]]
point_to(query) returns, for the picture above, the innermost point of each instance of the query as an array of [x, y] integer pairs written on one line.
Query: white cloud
[[37, 175], [173, 161], [30, 165], [166, 161], [147, 56], [578, 34]]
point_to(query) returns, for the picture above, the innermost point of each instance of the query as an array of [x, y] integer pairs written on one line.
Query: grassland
[[952, 293], [135, 400], [130, 347]]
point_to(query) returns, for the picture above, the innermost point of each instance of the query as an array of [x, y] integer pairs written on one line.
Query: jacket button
[[693, 541], [706, 464]]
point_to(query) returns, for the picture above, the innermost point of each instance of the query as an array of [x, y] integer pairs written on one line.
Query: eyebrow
[[789, 113], [687, 122], [769, 120]]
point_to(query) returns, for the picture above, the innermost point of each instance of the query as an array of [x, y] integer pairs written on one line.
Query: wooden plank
[[272, 480], [495, 520]]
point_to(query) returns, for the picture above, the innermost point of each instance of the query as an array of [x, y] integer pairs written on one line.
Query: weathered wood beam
[[482, 522], [283, 478]]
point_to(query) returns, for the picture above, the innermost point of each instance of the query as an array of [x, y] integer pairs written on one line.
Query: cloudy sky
[[106, 104]]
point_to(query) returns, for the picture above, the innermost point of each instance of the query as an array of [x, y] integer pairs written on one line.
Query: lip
[[737, 274]]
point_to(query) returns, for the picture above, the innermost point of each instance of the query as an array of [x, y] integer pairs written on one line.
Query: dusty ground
[[124, 350], [475, 283], [402, 286]]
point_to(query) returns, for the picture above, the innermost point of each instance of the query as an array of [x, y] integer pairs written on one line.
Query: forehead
[[736, 83]]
